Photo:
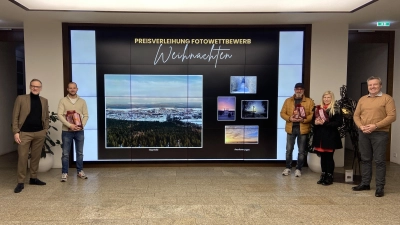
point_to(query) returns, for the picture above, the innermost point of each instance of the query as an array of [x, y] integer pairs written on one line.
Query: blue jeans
[[373, 146], [67, 138], [301, 144]]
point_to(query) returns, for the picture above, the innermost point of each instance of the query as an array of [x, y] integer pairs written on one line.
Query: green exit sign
[[383, 24]]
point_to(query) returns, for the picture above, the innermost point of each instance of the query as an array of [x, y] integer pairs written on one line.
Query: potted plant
[[47, 160], [48, 142]]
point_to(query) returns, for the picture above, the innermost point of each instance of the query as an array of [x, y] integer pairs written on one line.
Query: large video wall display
[[168, 94]]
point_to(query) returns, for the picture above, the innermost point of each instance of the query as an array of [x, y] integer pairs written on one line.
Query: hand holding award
[[74, 119]]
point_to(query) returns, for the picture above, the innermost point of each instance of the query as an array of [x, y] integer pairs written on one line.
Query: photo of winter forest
[[148, 111], [243, 84]]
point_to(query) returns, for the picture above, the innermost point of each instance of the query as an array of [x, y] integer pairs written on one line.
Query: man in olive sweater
[[72, 132], [373, 116]]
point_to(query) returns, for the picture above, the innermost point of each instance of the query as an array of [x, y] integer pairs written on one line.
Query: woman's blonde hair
[[332, 104]]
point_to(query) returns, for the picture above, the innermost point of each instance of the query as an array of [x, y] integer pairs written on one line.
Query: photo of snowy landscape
[[243, 84], [146, 111]]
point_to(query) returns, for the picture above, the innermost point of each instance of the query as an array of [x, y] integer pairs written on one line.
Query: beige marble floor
[[193, 195]]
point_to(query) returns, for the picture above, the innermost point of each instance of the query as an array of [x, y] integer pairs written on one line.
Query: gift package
[[321, 113], [74, 118], [299, 112]]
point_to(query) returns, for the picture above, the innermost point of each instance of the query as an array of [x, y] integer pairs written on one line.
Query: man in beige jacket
[[30, 122], [72, 132]]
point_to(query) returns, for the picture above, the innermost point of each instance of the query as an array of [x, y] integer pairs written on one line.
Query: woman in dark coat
[[326, 120]]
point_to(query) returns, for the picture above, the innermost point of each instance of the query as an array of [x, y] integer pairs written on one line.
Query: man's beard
[[299, 95]]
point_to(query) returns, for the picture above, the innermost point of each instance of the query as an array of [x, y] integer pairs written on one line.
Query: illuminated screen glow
[[150, 102]]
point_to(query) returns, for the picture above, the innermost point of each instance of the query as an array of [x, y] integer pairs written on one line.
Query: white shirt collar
[[379, 94]]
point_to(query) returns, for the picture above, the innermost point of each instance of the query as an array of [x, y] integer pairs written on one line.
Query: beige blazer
[[22, 108]]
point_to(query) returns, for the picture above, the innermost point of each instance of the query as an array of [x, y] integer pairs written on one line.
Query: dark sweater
[[297, 101], [327, 135], [33, 122]]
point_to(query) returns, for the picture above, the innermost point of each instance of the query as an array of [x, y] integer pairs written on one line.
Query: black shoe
[[321, 179], [19, 188], [379, 192], [328, 179], [35, 181], [361, 187]]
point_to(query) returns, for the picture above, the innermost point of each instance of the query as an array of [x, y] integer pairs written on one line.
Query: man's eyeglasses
[[36, 86]]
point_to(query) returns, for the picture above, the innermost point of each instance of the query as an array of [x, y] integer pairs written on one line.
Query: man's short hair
[[34, 79], [72, 83], [375, 78]]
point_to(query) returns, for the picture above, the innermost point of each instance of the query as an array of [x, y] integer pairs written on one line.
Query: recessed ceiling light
[[202, 6]]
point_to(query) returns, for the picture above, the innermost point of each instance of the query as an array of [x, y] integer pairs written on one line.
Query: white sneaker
[[286, 172], [64, 177], [297, 173], [82, 175]]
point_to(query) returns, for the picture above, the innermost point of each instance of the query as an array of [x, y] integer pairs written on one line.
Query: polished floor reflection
[[193, 195]]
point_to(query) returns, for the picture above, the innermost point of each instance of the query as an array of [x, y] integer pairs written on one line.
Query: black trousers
[[327, 163]]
